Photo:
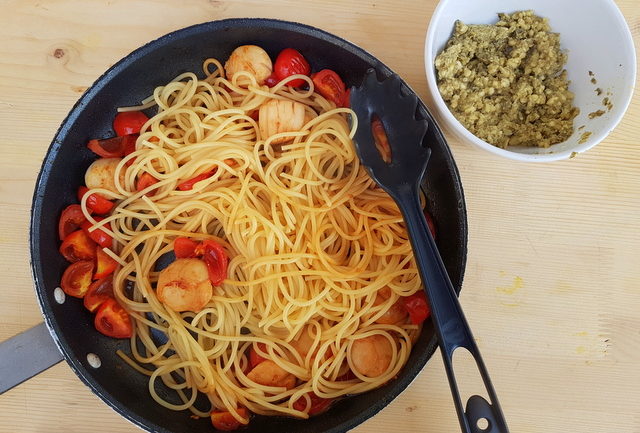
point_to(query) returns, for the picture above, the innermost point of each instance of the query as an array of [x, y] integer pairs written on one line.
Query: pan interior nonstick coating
[[127, 83]]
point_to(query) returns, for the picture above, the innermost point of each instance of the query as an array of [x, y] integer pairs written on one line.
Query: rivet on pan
[[94, 360], [59, 295]]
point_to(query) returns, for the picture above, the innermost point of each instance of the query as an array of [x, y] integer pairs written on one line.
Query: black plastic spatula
[[401, 178]]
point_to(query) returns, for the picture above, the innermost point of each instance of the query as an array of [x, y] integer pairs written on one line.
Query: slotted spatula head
[[396, 109]]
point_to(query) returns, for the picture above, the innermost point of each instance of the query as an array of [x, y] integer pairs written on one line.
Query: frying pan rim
[[60, 338]]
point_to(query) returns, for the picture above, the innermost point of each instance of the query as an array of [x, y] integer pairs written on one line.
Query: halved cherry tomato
[[98, 235], [271, 80], [145, 181], [216, 259], [105, 265], [78, 246], [318, 404], [129, 122], [417, 307], [76, 279], [188, 184], [99, 291], [254, 357], [130, 147], [330, 85], [95, 203], [223, 420], [254, 114], [380, 139], [290, 62], [430, 223], [115, 147], [71, 219], [184, 248], [112, 320], [346, 102]]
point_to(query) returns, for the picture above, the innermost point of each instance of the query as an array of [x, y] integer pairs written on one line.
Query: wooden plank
[[552, 287]]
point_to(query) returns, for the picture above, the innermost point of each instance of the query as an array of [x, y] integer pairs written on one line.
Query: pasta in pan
[[314, 302]]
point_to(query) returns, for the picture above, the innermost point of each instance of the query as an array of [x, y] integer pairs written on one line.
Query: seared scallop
[[102, 174], [184, 285], [251, 59]]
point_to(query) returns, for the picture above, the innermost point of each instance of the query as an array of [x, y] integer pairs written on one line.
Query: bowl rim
[[452, 123]]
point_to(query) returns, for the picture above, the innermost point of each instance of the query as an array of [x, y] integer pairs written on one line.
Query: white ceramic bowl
[[597, 39]]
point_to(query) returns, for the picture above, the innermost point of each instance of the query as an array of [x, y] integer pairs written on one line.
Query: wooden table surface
[[552, 286]]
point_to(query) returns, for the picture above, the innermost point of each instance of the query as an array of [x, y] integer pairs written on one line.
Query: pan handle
[[25, 355]]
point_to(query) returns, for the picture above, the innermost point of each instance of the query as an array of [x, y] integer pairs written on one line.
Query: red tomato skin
[[223, 420], [271, 80], [318, 404], [291, 62], [78, 246], [99, 291], [98, 235], [254, 357], [216, 259], [185, 248], [129, 122], [112, 147], [145, 181], [112, 320], [380, 138], [76, 279], [430, 223], [187, 185], [417, 307], [105, 265], [346, 102], [95, 203], [330, 85], [71, 219]]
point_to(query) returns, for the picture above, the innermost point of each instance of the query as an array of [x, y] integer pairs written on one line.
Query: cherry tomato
[[105, 265], [184, 248], [115, 147], [112, 320], [95, 202], [70, 220], [330, 85], [346, 102], [216, 259], [318, 404], [130, 147], [99, 291], [129, 122], [254, 114], [145, 181], [254, 357], [187, 185], [98, 235], [271, 80], [78, 246], [430, 223], [380, 139], [417, 307], [225, 421], [76, 279], [291, 62]]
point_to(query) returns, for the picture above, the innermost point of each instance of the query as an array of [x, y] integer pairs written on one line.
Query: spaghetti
[[318, 254]]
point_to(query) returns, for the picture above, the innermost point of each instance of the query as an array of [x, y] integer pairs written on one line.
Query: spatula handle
[[451, 326]]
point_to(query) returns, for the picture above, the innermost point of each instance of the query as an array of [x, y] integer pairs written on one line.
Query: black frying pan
[[128, 82]]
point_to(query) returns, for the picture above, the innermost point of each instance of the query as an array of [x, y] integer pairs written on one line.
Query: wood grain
[[552, 287]]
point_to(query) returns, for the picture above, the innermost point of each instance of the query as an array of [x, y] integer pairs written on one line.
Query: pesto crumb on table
[[506, 82]]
